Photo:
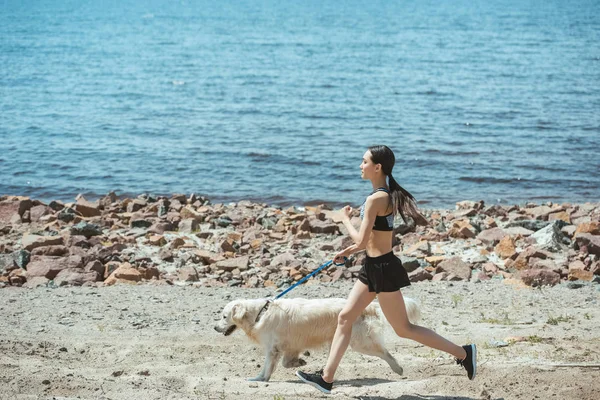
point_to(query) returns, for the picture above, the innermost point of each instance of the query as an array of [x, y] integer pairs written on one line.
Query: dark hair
[[402, 201]]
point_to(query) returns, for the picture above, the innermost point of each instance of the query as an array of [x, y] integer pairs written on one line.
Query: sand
[[158, 342]]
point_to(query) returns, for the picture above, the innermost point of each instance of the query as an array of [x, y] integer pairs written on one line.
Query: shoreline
[[280, 201], [188, 240]]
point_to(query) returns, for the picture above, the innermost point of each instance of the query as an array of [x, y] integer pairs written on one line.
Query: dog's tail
[[413, 309]]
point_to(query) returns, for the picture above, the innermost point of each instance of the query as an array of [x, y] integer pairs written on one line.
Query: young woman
[[382, 274]]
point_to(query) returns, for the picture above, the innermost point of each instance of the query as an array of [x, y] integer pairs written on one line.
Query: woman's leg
[[358, 299], [392, 305]]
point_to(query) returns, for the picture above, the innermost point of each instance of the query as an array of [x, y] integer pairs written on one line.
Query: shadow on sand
[[372, 382]]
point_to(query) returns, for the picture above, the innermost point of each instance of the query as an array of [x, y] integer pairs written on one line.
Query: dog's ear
[[238, 312]]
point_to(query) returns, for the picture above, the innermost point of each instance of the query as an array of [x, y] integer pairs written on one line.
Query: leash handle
[[316, 271]]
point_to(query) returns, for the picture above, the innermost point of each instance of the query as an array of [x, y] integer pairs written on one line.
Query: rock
[[577, 264], [21, 258], [518, 231], [462, 229], [456, 266], [522, 260], [126, 273], [590, 227], [165, 254], [435, 260], [157, 240], [591, 242], [439, 276], [188, 274], [56, 205], [37, 212], [109, 253], [540, 212], [86, 229], [304, 226], [207, 257], [75, 277], [561, 215], [492, 236], [108, 200], [15, 206], [227, 246], [78, 241], [35, 282], [87, 209], [410, 263], [189, 213], [230, 264], [97, 267], [490, 268], [189, 225], [419, 275], [540, 277], [49, 267], [421, 249], [282, 260], [67, 215], [30, 242], [468, 204], [136, 205], [580, 275], [506, 248], [569, 230], [6, 262], [140, 222], [56, 251], [318, 226], [549, 238], [161, 227], [529, 224], [536, 263]]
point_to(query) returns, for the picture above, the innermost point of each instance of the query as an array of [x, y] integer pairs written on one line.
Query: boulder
[[456, 266], [506, 248], [30, 241], [549, 238], [540, 277], [491, 236], [230, 264], [49, 267], [589, 241]]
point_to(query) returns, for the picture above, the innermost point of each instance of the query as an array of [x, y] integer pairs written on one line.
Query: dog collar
[[263, 309]]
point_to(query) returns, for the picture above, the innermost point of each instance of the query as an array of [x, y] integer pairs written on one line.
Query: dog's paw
[[301, 362], [307, 353]]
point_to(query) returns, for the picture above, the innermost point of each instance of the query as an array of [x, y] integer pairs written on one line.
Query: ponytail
[[404, 203]]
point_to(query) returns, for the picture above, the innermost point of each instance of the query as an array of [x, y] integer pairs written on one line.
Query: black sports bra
[[382, 223]]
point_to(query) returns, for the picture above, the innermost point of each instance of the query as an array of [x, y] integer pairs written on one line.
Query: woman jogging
[[382, 273]]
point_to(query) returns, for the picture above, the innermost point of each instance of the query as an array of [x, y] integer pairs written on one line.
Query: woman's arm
[[360, 237]]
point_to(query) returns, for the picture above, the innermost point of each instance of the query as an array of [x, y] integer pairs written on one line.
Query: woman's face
[[368, 169]]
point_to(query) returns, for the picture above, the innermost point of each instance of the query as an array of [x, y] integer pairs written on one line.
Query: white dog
[[288, 327]]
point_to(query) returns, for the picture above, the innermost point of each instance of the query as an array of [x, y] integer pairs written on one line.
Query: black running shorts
[[384, 273]]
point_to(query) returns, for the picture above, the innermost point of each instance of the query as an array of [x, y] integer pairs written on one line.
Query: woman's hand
[[340, 257], [346, 212]]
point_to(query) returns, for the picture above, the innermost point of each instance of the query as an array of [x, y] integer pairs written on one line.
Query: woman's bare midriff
[[380, 243]]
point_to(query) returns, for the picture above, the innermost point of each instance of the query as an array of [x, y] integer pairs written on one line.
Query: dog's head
[[233, 316]]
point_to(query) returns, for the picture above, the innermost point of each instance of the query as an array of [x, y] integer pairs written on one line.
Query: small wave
[[487, 179], [21, 173], [270, 158], [452, 153], [178, 83]]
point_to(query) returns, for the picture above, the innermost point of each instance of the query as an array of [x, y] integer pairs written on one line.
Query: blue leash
[[300, 282]]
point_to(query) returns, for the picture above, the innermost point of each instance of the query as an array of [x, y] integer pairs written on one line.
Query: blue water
[[277, 100]]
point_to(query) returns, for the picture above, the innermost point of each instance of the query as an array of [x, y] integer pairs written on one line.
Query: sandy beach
[[158, 342]]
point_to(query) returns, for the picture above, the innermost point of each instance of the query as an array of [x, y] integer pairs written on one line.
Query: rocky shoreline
[[186, 240]]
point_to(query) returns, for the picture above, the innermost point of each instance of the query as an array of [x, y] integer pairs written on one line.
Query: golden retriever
[[290, 326]]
